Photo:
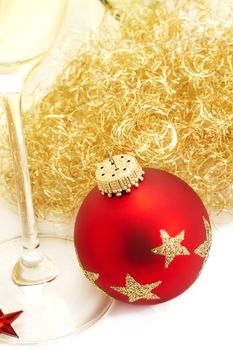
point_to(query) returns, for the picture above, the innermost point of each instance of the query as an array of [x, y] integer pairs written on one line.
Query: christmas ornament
[[5, 323], [156, 82], [145, 241]]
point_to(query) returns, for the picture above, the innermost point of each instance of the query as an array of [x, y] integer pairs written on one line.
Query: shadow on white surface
[[119, 309]]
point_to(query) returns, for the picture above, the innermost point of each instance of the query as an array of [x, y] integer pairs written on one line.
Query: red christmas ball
[[145, 247]]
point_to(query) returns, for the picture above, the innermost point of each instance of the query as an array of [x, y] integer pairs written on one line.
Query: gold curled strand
[[136, 291], [107, 4], [171, 247], [203, 249], [125, 90]]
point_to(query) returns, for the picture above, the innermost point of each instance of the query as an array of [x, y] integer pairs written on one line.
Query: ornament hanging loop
[[112, 160]]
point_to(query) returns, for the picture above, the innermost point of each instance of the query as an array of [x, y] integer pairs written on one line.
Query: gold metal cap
[[118, 174]]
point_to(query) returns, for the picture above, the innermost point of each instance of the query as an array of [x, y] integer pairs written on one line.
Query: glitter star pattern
[[171, 247], [136, 291], [203, 249], [92, 276]]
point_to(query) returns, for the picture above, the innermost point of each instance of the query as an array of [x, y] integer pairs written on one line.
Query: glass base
[[66, 305]]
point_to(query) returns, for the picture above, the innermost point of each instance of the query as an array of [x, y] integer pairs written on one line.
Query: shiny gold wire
[[156, 82]]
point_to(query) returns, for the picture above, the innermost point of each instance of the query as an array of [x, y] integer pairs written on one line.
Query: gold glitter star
[[92, 276], [136, 291], [203, 249], [171, 247]]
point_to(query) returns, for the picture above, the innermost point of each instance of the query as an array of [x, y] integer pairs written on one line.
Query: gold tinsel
[[157, 82]]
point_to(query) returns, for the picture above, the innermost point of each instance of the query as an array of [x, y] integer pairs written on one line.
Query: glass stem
[[33, 267], [12, 103]]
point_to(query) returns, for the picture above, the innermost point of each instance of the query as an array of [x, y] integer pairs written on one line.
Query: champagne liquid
[[27, 28]]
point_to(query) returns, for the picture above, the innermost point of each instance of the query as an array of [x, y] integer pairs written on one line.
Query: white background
[[198, 319]]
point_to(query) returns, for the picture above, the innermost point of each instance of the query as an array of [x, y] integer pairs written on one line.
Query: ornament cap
[[118, 174]]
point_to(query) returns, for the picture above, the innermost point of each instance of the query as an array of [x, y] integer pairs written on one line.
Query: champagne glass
[[37, 275]]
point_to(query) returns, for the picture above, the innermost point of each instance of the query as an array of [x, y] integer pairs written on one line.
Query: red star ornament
[[5, 323]]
